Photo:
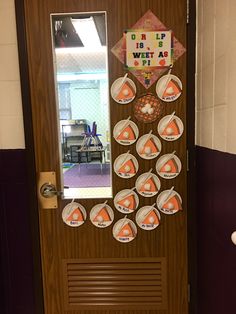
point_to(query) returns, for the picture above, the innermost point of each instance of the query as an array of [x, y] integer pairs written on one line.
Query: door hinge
[[189, 293], [187, 159], [187, 12]]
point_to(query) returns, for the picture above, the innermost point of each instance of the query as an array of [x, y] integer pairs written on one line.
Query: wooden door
[[85, 268]]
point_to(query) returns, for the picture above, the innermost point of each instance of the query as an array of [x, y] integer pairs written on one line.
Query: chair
[[91, 138], [92, 146]]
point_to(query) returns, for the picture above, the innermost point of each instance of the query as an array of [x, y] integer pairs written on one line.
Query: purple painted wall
[[216, 208], [16, 261]]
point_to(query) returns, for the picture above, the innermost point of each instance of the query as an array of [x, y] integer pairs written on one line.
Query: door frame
[[31, 169]]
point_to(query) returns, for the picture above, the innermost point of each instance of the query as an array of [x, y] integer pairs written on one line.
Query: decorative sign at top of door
[[148, 49], [145, 50]]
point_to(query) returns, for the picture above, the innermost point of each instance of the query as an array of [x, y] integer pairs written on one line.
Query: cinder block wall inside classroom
[[216, 75], [11, 118]]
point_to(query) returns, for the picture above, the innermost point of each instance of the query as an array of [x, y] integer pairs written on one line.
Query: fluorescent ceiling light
[[80, 50], [79, 77], [87, 31]]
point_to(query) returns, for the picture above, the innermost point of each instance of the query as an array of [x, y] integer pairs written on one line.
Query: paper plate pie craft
[[168, 166], [148, 217], [101, 215], [170, 127], [169, 202], [123, 90], [125, 132], [126, 165], [124, 230], [147, 108], [148, 146], [126, 201], [148, 184], [169, 88], [74, 214]]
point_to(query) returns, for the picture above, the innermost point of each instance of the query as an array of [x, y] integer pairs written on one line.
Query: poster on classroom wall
[[145, 49]]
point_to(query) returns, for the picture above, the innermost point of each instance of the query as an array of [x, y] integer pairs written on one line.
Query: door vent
[[115, 284]]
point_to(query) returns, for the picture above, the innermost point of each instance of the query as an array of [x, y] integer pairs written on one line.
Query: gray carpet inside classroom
[[88, 175]]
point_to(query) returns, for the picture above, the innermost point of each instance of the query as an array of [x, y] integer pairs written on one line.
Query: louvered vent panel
[[115, 283]]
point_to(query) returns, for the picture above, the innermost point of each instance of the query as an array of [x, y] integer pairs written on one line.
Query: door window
[[81, 75]]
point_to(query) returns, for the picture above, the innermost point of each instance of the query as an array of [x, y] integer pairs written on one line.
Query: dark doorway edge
[[191, 176], [29, 142]]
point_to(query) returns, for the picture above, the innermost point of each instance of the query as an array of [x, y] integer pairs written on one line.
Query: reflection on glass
[[81, 74]]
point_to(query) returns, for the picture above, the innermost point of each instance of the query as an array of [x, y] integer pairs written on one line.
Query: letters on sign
[[151, 49]]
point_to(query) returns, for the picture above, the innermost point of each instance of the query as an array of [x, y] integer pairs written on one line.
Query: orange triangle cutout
[[125, 92], [151, 218], [170, 166], [128, 202], [149, 146], [104, 214], [172, 89], [128, 167], [173, 203], [126, 134], [126, 231], [76, 215], [171, 129], [148, 186]]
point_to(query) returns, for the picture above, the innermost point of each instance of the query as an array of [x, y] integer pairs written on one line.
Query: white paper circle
[[123, 94], [124, 200], [124, 230], [125, 132], [165, 91], [126, 166], [168, 166], [74, 214], [148, 218], [101, 215], [148, 184], [170, 129], [233, 237], [163, 198], [148, 146]]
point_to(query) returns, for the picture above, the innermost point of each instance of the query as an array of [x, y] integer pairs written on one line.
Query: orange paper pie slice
[[151, 218], [173, 204], [76, 215], [170, 166], [102, 215], [172, 89], [128, 202], [148, 186], [126, 134], [171, 129], [126, 231], [125, 92], [149, 147], [128, 167]]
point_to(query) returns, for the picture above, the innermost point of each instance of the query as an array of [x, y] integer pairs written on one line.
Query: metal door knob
[[49, 190], [233, 237]]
